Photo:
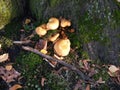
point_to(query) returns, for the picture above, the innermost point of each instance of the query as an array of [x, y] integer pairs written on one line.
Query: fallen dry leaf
[[100, 80], [9, 75], [4, 57], [43, 81], [87, 87], [78, 85], [15, 87], [113, 69], [92, 72], [86, 64], [27, 21], [72, 30], [41, 44]]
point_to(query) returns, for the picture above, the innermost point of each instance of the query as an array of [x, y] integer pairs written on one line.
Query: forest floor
[[26, 70]]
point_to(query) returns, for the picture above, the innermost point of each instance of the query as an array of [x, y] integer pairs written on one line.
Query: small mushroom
[[53, 23], [8, 67], [62, 47], [65, 23], [41, 30], [54, 37]]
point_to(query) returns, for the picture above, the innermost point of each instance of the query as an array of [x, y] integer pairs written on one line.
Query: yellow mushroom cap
[[53, 23], [8, 67], [65, 23], [62, 47], [41, 31], [54, 37]]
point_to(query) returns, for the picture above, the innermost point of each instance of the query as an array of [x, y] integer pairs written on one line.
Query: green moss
[[12, 29], [53, 3], [56, 82], [28, 64], [90, 29], [104, 75], [37, 8], [5, 42], [9, 9], [29, 60], [84, 54], [5, 13]]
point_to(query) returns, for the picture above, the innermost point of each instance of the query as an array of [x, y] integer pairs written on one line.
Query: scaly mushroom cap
[[54, 37], [41, 30], [53, 23], [65, 23], [62, 47]]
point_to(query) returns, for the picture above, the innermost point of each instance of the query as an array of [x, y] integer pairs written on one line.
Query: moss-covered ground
[[34, 69]]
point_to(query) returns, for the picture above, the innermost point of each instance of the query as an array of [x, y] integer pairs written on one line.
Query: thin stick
[[22, 42], [83, 76]]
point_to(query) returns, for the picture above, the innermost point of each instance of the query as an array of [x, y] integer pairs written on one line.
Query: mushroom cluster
[[52, 24], [61, 43]]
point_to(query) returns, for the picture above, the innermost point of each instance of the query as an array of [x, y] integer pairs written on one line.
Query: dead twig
[[83, 76], [22, 42]]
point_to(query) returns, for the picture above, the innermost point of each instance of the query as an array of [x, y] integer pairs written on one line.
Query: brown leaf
[[113, 68], [4, 57], [27, 21], [72, 30], [43, 81], [87, 87], [86, 65], [15, 87], [92, 72], [78, 85], [100, 80], [42, 44]]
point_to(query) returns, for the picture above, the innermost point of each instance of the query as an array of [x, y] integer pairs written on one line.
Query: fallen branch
[[83, 76]]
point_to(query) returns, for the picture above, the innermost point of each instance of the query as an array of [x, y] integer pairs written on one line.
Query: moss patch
[[28, 64], [10, 9]]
